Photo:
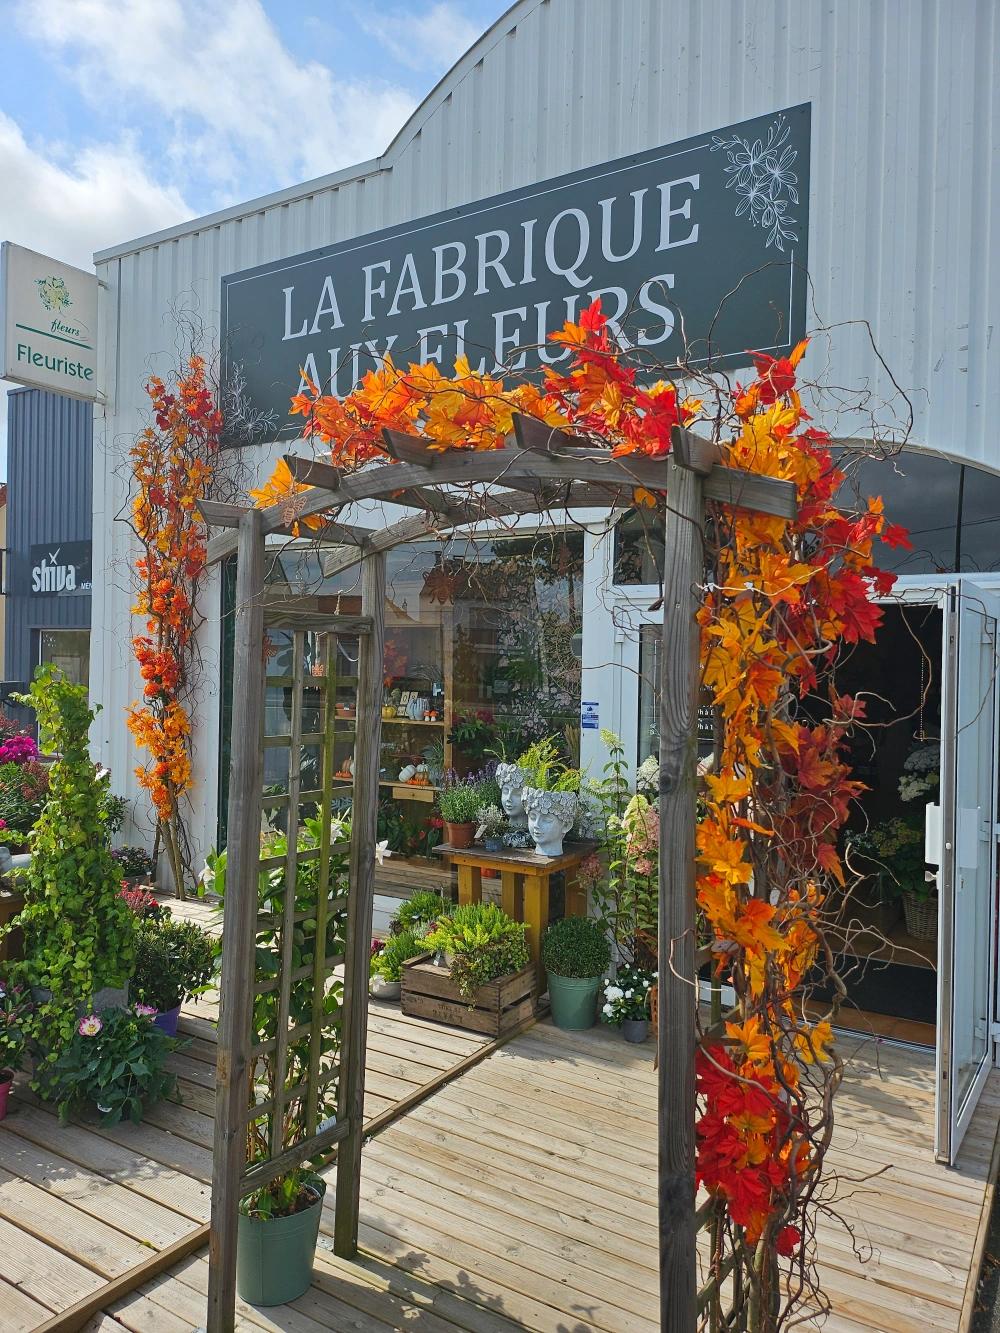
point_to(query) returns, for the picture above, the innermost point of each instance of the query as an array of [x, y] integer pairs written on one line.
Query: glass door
[[961, 842]]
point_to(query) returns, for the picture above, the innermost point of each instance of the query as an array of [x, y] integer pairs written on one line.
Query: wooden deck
[[520, 1196]]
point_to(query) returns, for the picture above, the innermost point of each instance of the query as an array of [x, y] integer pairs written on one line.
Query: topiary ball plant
[[576, 946]]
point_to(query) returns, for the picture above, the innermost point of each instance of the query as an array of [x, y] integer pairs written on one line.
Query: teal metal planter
[[274, 1257], [574, 1001]]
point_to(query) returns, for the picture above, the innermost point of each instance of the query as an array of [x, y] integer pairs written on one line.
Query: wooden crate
[[429, 992]]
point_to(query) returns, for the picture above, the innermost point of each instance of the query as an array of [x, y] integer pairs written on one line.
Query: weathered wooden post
[[232, 1092], [677, 984], [364, 823]]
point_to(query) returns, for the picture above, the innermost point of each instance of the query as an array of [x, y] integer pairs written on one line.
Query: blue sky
[[118, 117]]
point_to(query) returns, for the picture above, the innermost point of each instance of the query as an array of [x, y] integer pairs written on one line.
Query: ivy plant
[[78, 932]]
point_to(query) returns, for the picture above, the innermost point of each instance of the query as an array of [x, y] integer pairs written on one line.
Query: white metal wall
[[904, 208]]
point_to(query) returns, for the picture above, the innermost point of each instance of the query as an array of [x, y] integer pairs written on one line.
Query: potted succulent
[[16, 1010], [626, 1002], [575, 954], [459, 801], [492, 826], [173, 961], [549, 797], [278, 1228], [387, 963]]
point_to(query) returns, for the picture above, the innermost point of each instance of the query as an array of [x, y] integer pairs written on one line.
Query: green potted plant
[[549, 796], [278, 1227], [575, 954], [387, 963], [893, 854], [419, 911], [115, 1061], [480, 943], [135, 865], [16, 1010], [78, 933], [492, 826], [626, 1002], [173, 961], [459, 801]]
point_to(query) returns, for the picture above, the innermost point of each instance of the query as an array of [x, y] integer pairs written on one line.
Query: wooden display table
[[527, 901]]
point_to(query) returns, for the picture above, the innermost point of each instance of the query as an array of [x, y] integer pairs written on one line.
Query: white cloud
[[104, 195], [433, 40], [228, 92]]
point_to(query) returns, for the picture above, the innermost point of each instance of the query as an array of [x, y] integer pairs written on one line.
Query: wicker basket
[[921, 917]]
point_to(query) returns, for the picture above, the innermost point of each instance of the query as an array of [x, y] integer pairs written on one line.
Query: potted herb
[[492, 826], [549, 796], [459, 801], [626, 1002], [387, 964], [173, 961], [575, 954], [115, 1061], [278, 1228], [16, 1011], [480, 943]]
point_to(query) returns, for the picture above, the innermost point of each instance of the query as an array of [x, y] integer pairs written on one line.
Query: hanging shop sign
[[696, 251], [61, 569], [48, 323]]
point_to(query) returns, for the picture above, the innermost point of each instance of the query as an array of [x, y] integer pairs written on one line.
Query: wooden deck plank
[[18, 1312]]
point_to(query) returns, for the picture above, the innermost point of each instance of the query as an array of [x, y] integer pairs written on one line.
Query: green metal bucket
[[574, 1001], [274, 1257]]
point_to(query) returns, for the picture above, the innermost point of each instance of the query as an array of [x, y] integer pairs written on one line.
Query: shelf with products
[[415, 721]]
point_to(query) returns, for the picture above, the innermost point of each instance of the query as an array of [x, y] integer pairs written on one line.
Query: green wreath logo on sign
[[53, 293]]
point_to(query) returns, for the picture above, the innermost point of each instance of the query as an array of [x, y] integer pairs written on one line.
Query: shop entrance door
[[961, 844]]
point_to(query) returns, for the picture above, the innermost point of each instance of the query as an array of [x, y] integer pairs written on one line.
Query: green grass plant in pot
[[387, 964], [480, 943], [575, 954], [459, 801], [278, 1227]]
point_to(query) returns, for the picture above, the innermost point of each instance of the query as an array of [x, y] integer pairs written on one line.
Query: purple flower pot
[[167, 1022]]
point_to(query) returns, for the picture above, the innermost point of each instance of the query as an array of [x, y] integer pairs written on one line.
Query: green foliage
[[133, 862], [115, 809], [421, 909], [544, 768], [118, 1067], [485, 942], [576, 946], [459, 800], [16, 1015], [173, 960], [892, 854], [388, 962], [474, 732], [23, 791], [291, 1193], [78, 933]]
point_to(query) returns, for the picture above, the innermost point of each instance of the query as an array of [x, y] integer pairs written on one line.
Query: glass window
[[650, 644], [638, 550], [68, 649]]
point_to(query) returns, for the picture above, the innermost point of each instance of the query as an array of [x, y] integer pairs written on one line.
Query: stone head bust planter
[[550, 818], [511, 780]]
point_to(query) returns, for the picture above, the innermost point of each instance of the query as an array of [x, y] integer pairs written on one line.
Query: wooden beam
[[219, 515], [731, 485], [232, 1093], [683, 563], [409, 448], [75, 1317], [360, 902], [537, 435], [694, 452], [311, 472]]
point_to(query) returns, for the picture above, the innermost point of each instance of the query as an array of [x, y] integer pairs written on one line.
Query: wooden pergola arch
[[541, 470]]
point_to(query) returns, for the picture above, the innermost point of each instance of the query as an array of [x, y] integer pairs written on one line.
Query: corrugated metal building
[[904, 211], [49, 488]]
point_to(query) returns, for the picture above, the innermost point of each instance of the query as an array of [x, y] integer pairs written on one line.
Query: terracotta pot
[[460, 835]]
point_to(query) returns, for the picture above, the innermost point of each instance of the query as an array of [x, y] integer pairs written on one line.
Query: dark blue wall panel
[[50, 442]]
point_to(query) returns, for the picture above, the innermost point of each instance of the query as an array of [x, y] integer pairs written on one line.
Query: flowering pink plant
[[90, 1026], [18, 750], [146, 1010]]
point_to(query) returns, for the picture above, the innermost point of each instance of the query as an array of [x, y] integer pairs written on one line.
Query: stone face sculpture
[[511, 780], [550, 818]]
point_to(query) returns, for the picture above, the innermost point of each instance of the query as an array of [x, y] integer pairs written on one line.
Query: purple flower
[[90, 1027], [145, 1010]]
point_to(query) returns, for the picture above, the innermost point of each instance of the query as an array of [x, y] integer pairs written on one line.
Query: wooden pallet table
[[524, 885]]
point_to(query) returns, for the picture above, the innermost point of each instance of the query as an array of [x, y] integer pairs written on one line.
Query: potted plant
[[492, 826], [173, 961], [626, 1002], [387, 963], [480, 943], [419, 912], [16, 1011], [893, 851], [459, 801], [549, 796], [135, 864], [575, 954], [278, 1228], [115, 1061]]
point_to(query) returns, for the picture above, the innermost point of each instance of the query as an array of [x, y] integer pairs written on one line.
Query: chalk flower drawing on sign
[[762, 176], [53, 293]]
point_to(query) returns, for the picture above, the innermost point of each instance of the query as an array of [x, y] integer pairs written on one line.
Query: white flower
[[646, 983], [382, 851], [614, 993], [609, 1009], [628, 995]]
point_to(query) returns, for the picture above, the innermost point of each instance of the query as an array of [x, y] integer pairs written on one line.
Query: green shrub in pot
[[575, 954], [174, 960], [388, 962]]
